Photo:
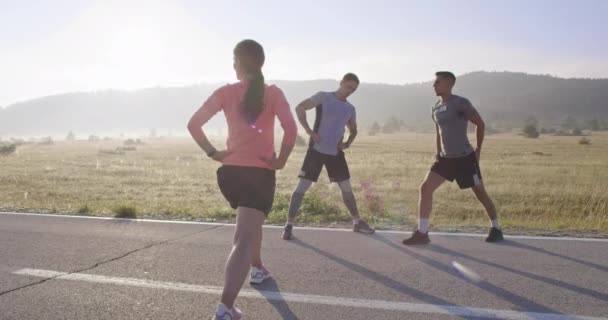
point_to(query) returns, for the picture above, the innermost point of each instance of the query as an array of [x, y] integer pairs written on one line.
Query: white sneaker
[[223, 313], [259, 275]]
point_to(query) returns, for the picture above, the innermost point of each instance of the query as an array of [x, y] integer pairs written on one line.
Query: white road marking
[[309, 299], [404, 233]]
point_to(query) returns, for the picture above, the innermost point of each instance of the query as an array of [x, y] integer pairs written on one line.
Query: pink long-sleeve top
[[248, 143]]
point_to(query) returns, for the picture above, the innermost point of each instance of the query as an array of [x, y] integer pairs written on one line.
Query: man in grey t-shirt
[[326, 149], [456, 158]]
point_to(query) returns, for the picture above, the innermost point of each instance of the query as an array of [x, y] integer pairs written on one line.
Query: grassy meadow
[[549, 185]]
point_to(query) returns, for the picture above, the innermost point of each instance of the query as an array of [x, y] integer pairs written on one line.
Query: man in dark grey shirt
[[456, 159]]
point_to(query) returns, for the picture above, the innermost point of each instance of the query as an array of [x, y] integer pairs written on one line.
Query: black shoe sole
[[415, 244], [364, 232]]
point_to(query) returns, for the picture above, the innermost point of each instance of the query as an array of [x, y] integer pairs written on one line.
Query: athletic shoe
[[363, 227], [495, 235], [287, 232], [223, 313], [259, 275], [417, 238]]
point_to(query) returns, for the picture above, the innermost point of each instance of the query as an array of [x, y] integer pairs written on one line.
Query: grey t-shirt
[[332, 116], [452, 118]]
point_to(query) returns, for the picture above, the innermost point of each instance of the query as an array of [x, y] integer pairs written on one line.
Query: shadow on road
[[270, 290], [382, 279]]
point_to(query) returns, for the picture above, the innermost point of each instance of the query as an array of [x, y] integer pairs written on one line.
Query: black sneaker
[[495, 235], [417, 238], [363, 227], [287, 232]]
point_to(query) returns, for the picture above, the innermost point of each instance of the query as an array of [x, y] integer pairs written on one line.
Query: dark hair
[[448, 75], [351, 77], [250, 55]]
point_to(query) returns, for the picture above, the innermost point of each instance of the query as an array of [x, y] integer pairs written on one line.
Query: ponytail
[[253, 101], [250, 55]]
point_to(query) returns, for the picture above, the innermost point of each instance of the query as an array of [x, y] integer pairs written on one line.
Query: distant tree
[[569, 123], [93, 138], [391, 125], [70, 137], [18, 142], [46, 141], [547, 130], [530, 131], [153, 133], [531, 121], [490, 129], [594, 124], [577, 132], [374, 129]]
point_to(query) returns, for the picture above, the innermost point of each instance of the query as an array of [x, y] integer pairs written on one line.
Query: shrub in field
[[125, 211], [314, 204], [46, 141], [584, 141], [530, 131], [371, 200], [7, 149], [84, 209], [133, 142], [116, 151]]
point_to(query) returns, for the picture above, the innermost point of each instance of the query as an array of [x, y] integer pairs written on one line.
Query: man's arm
[[301, 113], [352, 133], [438, 141], [480, 131]]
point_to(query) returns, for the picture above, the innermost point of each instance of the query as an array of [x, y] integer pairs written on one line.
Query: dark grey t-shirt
[[332, 116], [452, 118]]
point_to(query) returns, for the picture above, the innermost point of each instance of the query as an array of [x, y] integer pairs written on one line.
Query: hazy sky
[[56, 46]]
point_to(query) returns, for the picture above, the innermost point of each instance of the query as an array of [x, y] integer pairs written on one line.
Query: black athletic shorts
[[464, 170], [247, 187], [337, 168]]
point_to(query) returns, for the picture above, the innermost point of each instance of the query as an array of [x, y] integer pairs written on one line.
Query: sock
[[423, 225], [495, 224], [294, 204], [351, 204]]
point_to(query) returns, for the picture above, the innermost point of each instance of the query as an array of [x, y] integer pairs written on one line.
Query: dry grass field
[[549, 185]]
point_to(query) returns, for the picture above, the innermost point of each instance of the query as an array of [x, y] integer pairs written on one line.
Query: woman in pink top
[[247, 175]]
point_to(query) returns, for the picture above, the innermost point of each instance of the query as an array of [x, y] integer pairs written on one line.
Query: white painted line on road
[[310, 299], [404, 233]]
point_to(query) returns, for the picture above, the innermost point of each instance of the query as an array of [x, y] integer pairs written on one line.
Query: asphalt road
[[55, 267]]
